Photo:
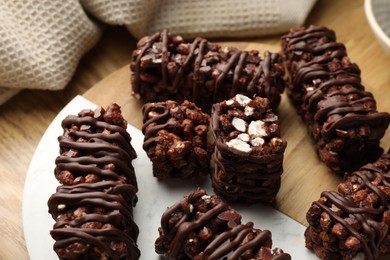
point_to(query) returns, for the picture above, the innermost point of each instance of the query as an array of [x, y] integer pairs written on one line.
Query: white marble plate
[[154, 197]]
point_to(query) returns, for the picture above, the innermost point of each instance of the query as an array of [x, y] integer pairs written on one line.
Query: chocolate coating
[[356, 219], [176, 139], [326, 89], [204, 227], [165, 67], [249, 172]]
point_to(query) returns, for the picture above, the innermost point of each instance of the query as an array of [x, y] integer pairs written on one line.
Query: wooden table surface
[[25, 117]]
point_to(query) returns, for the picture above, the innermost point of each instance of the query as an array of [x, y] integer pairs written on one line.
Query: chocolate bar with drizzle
[[354, 221], [204, 227], [325, 87], [165, 67], [176, 139], [93, 208], [249, 152]]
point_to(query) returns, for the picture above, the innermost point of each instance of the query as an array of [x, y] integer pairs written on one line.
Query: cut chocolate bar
[[248, 150], [94, 220], [176, 139]]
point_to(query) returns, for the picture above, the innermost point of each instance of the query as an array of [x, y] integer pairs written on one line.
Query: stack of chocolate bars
[[248, 150]]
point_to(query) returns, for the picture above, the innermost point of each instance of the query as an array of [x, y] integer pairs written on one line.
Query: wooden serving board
[[304, 177]]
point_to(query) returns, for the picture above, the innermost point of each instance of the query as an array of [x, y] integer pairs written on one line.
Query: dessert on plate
[[176, 139], [205, 227], [248, 150], [325, 87], [353, 222], [165, 67], [93, 206]]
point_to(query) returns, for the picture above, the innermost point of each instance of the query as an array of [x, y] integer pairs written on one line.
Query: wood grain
[[24, 118]]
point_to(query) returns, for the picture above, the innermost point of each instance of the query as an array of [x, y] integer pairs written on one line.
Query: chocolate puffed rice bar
[[93, 208], [248, 150], [325, 87], [353, 222], [204, 227], [94, 221], [165, 67], [176, 139]]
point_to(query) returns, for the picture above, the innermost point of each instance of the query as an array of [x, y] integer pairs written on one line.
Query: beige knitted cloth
[[41, 42]]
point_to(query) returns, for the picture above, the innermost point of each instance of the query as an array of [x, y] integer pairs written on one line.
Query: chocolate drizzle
[[373, 232], [116, 198], [96, 149], [202, 72], [236, 235], [182, 224], [113, 195], [156, 123], [327, 91], [296, 42], [93, 209], [175, 139], [137, 68], [99, 238], [240, 175]]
